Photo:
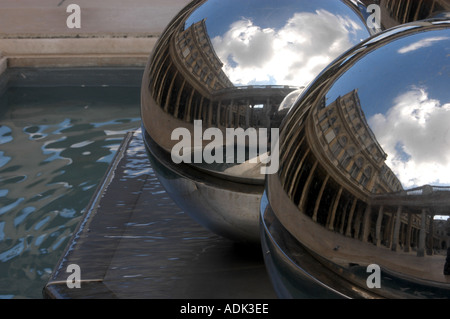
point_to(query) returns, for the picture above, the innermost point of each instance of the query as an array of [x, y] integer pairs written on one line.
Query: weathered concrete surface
[[47, 18], [113, 32], [73, 52]]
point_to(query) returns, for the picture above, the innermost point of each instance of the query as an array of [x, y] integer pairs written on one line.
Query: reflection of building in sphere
[[189, 84], [442, 234], [343, 130], [394, 12], [193, 47], [339, 203], [334, 170]]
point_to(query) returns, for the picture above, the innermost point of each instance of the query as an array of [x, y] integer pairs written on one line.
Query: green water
[[55, 146]]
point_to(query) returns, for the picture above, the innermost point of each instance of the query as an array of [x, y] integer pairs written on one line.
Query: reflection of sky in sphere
[[407, 104], [278, 42]]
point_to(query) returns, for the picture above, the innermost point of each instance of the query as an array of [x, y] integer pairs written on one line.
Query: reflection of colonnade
[[335, 172], [189, 83], [424, 202], [442, 234], [404, 11]]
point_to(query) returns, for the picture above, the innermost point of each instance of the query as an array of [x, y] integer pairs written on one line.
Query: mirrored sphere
[[213, 92], [363, 189]]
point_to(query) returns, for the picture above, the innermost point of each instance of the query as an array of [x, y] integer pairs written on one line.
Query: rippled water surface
[[55, 146]]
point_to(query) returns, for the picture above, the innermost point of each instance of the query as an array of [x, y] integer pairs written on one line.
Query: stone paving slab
[[47, 18], [113, 33]]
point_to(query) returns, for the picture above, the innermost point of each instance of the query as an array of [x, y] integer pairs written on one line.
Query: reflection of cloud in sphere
[[421, 44], [413, 132], [304, 46]]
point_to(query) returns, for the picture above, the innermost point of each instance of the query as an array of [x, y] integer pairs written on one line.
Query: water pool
[[56, 144]]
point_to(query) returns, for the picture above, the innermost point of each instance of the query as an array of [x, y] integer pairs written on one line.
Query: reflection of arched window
[[209, 79], [190, 60], [336, 149], [364, 137], [373, 151], [360, 162], [365, 177], [324, 125], [356, 167], [347, 157], [196, 68], [337, 129], [330, 136], [327, 123], [203, 73], [223, 115], [339, 145], [349, 103], [342, 140]]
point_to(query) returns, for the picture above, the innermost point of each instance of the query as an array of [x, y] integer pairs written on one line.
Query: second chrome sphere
[[359, 206]]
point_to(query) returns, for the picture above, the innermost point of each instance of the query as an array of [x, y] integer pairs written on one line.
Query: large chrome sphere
[[213, 90], [358, 207]]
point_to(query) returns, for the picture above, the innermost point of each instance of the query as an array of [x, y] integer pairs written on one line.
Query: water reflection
[[56, 144]]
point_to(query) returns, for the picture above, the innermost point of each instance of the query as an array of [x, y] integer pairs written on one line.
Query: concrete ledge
[[75, 77], [47, 18], [112, 32], [100, 60], [77, 52], [128, 45]]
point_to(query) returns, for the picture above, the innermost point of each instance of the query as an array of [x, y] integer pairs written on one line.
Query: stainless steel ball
[[360, 205], [213, 90]]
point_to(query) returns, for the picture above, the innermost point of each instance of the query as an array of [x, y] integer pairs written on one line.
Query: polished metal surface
[[213, 89], [229, 65], [233, 70], [364, 168]]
